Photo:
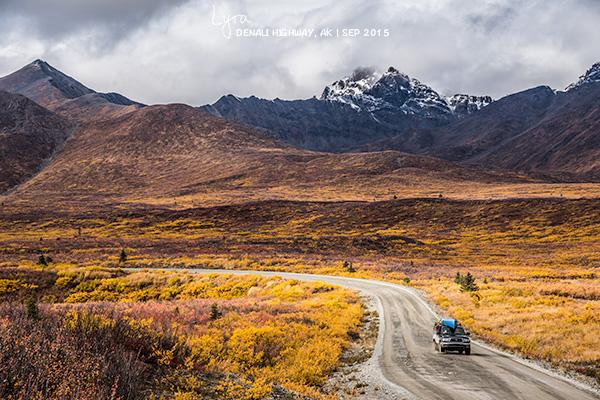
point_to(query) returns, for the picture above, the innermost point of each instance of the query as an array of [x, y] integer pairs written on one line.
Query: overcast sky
[[160, 51]]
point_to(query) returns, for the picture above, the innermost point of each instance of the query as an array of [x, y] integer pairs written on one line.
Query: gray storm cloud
[[158, 51], [55, 19]]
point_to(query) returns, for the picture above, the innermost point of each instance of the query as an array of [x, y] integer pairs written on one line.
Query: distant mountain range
[[392, 134], [538, 130], [355, 110], [137, 153]]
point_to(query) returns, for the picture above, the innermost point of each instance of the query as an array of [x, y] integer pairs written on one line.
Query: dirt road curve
[[407, 363]]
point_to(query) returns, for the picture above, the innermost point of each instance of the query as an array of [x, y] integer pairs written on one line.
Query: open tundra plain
[[535, 264]]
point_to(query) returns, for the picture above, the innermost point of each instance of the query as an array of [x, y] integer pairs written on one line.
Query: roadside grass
[[169, 335], [530, 318]]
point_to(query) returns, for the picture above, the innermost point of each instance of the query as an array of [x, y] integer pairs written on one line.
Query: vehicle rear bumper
[[455, 346]]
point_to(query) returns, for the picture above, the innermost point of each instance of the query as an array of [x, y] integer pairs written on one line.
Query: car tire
[[468, 352], [442, 350], [460, 351]]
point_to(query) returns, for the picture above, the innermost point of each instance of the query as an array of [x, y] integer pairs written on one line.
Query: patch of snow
[[591, 75], [467, 103]]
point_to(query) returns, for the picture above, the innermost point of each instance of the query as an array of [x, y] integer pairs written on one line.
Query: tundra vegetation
[[533, 264], [102, 333]]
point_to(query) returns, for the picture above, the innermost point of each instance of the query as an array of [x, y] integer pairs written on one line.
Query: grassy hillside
[[177, 157]]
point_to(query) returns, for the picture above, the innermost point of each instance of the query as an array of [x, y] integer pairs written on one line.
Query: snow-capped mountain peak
[[366, 90], [351, 89], [591, 75]]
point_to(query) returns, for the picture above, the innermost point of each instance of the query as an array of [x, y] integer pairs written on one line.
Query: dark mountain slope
[[478, 134], [311, 124], [565, 141], [539, 131], [29, 136]]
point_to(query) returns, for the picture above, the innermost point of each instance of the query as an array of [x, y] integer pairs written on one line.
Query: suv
[[449, 335]]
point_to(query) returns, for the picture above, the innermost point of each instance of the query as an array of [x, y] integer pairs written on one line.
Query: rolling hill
[[177, 155]]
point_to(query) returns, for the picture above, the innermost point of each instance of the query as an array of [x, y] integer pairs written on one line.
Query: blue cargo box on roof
[[449, 322]]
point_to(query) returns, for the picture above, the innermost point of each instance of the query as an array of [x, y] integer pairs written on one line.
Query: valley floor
[[536, 262]]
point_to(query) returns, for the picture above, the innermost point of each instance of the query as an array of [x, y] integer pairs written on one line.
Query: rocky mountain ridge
[[59, 92], [367, 90]]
